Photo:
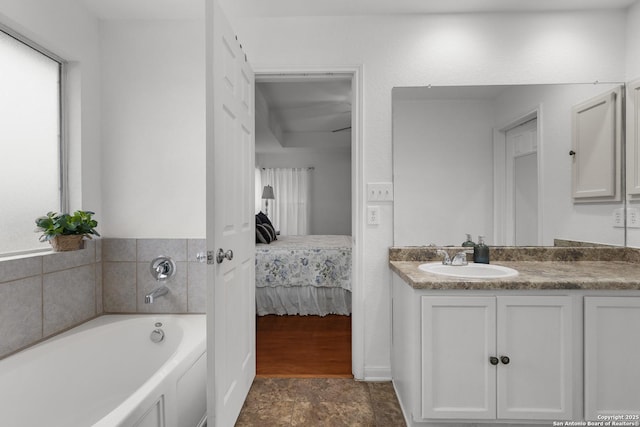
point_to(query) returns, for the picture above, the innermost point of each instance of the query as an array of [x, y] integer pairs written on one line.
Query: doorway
[[319, 132], [522, 181]]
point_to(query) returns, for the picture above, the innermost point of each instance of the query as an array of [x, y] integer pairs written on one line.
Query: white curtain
[[258, 195], [290, 211]]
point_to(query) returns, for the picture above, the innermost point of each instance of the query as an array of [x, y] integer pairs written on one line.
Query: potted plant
[[64, 231]]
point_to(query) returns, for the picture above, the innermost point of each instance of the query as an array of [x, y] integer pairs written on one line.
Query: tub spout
[[157, 292]]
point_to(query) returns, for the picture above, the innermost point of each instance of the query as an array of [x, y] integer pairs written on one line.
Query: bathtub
[[108, 372]]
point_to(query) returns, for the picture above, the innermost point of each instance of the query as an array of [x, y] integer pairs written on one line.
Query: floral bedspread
[[321, 261]]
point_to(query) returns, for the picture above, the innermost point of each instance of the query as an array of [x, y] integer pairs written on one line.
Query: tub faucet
[[156, 293]]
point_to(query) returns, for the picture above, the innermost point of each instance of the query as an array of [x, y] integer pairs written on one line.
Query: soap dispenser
[[481, 252], [468, 243]]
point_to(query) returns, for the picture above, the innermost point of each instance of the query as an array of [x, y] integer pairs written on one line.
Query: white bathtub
[[107, 372]]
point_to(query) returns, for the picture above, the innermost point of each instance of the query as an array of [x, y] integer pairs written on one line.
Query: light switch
[[380, 191]]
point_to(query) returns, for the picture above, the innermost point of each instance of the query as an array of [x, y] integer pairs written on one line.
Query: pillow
[[265, 220], [263, 235]]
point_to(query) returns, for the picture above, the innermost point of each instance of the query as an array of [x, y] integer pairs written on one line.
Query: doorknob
[[221, 255]]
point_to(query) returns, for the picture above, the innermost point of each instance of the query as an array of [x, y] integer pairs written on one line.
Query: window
[[31, 170]]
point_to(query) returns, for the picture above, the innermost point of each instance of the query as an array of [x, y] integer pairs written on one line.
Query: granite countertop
[[532, 275], [551, 268]]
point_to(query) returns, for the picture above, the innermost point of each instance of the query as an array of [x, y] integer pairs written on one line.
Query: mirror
[[495, 161]]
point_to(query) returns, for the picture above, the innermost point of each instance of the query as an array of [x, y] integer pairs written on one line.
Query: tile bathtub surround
[[127, 277], [320, 402], [44, 294]]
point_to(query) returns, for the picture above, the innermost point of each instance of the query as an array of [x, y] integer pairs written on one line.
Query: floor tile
[[322, 402]]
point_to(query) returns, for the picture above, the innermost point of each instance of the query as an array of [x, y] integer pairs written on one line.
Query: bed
[[306, 275]]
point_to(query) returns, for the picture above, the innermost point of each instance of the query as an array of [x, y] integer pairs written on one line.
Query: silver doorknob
[[221, 255]]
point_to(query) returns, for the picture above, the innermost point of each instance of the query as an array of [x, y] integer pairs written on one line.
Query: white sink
[[469, 271]]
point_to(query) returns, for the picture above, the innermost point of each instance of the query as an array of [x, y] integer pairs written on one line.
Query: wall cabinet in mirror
[[596, 144]]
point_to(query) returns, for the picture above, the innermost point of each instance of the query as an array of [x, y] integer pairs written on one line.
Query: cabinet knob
[[572, 153], [493, 360], [505, 360]]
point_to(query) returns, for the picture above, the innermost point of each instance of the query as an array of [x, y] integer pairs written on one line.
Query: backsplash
[[42, 295]]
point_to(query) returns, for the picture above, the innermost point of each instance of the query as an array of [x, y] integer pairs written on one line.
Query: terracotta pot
[[66, 243]]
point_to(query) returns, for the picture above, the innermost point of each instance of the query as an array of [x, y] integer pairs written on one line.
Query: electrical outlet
[[633, 218], [373, 215], [380, 191], [618, 218]]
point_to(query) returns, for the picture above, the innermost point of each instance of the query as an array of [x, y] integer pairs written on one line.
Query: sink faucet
[[459, 259], [446, 260], [156, 293]]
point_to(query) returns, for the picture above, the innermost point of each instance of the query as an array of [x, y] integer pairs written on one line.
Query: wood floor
[[303, 346]]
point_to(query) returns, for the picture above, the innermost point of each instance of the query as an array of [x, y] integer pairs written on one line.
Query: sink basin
[[470, 271]]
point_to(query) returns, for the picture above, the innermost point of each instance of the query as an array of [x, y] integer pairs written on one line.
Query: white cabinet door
[[612, 356], [596, 148], [535, 333], [458, 337]]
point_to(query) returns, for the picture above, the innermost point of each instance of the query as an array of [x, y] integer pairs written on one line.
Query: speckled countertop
[[538, 269]]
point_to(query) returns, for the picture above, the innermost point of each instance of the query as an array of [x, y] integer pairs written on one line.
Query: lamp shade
[[267, 192]]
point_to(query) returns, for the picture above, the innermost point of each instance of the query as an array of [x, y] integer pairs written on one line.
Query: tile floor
[[330, 402]]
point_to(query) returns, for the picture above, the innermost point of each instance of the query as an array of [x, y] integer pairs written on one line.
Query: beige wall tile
[[119, 250], [20, 268], [20, 313], [148, 249], [119, 287], [68, 298], [58, 261], [197, 288]]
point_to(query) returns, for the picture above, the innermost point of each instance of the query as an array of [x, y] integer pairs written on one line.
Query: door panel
[[230, 160]]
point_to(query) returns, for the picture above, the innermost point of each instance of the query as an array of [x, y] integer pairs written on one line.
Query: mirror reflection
[[521, 165]]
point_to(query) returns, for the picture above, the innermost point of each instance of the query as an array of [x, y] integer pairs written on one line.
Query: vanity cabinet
[[611, 356], [496, 357]]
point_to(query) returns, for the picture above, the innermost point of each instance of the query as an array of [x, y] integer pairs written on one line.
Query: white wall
[[68, 30], [443, 171], [330, 185], [438, 50], [153, 129]]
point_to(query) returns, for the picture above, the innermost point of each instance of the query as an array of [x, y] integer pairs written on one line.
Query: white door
[[611, 349], [458, 339], [535, 334], [230, 221], [522, 184]]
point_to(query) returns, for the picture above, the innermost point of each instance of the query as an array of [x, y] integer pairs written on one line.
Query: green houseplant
[[64, 231]]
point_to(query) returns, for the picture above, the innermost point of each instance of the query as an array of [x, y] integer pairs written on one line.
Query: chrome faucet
[[446, 260], [459, 258], [156, 293], [162, 270]]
